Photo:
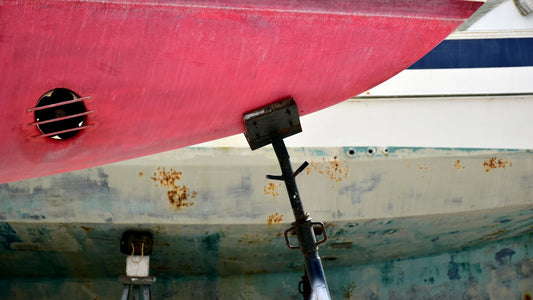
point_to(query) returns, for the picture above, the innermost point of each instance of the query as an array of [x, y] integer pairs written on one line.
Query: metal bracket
[[279, 120], [298, 171], [318, 228]]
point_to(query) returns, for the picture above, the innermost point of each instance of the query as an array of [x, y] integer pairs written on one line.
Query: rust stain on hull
[[331, 168], [179, 196], [422, 169], [496, 163], [274, 219], [458, 165], [271, 189]]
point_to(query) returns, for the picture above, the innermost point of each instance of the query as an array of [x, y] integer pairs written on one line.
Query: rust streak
[[496, 163], [179, 196]]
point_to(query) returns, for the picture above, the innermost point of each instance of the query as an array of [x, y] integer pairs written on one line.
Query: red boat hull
[[167, 74]]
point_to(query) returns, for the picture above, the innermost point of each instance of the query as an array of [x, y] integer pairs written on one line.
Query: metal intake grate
[[60, 114]]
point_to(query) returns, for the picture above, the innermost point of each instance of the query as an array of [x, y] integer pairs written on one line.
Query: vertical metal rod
[[147, 295], [125, 292], [303, 226], [136, 292]]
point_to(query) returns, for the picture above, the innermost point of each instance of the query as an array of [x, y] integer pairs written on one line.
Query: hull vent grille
[[60, 114]]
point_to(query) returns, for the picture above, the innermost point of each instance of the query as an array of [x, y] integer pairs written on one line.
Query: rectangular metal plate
[[280, 119]]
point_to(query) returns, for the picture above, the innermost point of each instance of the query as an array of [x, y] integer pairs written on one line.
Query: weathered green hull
[[403, 223], [495, 270]]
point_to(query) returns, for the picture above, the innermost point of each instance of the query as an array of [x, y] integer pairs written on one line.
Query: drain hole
[[61, 119]]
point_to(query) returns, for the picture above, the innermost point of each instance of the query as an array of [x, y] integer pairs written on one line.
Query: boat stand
[[135, 285], [270, 125], [138, 246]]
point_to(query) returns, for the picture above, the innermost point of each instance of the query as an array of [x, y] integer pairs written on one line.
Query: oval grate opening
[[60, 113]]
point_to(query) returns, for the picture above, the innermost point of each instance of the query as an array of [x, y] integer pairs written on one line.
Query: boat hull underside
[[164, 75]]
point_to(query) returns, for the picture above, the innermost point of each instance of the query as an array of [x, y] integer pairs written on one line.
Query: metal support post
[[270, 125], [303, 226]]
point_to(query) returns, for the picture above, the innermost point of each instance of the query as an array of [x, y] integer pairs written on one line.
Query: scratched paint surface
[[389, 210]]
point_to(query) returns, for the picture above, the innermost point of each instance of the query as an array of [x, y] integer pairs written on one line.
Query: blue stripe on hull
[[479, 53]]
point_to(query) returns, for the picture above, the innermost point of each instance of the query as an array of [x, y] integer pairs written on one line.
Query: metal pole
[[303, 226]]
